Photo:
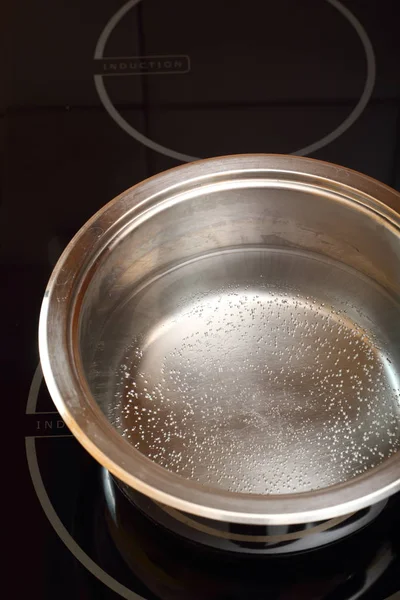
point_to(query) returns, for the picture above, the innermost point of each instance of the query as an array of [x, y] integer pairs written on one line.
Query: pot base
[[233, 537]]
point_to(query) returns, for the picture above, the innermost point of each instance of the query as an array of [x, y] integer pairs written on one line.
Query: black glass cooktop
[[97, 96]]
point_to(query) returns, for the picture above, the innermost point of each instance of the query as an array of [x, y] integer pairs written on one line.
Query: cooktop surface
[[96, 97]]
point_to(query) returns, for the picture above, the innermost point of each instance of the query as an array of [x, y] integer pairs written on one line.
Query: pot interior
[[244, 332]]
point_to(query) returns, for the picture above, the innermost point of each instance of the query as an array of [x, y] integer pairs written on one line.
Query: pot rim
[[65, 379]]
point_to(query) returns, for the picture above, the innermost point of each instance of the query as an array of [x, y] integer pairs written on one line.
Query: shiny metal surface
[[231, 537], [254, 371], [225, 338]]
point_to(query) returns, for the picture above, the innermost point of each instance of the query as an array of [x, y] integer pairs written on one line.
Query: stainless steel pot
[[225, 338]]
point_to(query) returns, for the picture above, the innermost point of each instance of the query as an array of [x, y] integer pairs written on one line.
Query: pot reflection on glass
[[234, 537], [173, 564]]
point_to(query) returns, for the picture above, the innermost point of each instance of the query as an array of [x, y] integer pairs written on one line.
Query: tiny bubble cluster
[[258, 390]]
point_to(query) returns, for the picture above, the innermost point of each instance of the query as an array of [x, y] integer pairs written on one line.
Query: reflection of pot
[[174, 567], [249, 539], [237, 321]]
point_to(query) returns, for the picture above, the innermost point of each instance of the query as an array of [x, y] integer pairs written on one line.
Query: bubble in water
[[260, 390]]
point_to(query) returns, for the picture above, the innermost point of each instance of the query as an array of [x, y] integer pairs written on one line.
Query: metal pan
[[225, 338]]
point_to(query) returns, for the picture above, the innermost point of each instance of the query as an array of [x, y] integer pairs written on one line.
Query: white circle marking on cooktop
[[49, 510], [321, 143]]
